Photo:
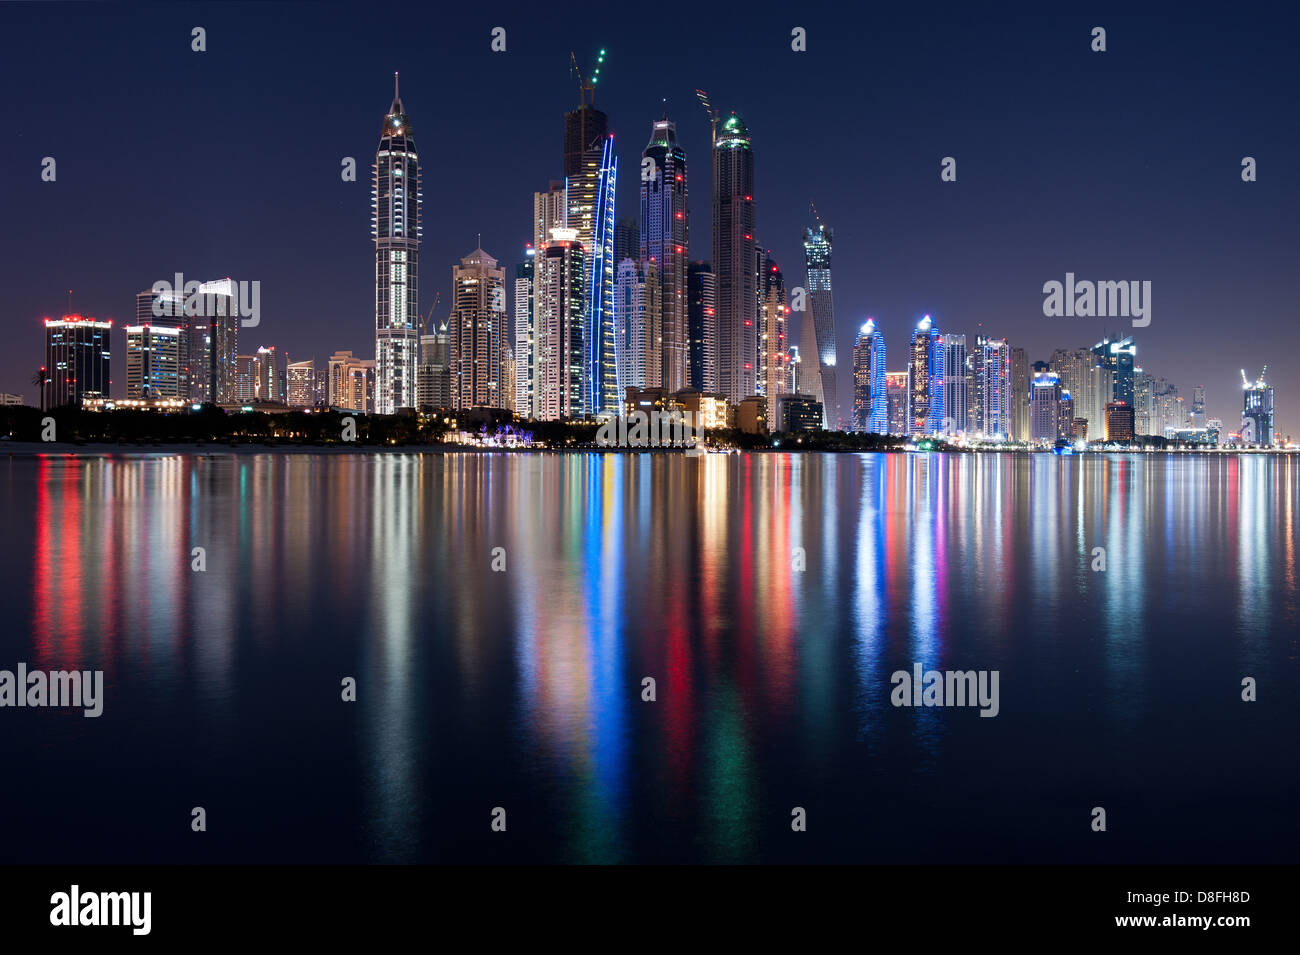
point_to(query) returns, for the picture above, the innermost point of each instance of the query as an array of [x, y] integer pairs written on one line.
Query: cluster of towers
[[600, 305]]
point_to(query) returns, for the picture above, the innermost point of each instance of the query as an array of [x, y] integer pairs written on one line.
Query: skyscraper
[[1118, 357], [995, 389], [270, 375], [870, 391], [817, 258], [664, 240], [773, 350], [1045, 408], [1257, 411], [435, 369], [477, 331], [525, 337], [734, 254], [590, 172], [1019, 394], [702, 330], [1197, 415], [395, 226], [954, 382], [896, 398], [77, 359], [638, 325], [559, 303], [154, 364], [164, 309], [301, 384], [925, 371]]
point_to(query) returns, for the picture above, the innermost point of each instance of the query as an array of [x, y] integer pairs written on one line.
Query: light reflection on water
[[522, 688]]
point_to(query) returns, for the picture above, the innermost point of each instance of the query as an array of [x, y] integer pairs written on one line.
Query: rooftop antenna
[[712, 113]]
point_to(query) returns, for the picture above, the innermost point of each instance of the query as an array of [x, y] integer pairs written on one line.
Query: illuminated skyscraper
[[1118, 358], [773, 376], [77, 359], [1045, 408], [995, 389], [734, 254], [954, 382], [1019, 394], [591, 175], [821, 303], [525, 335], [701, 320], [435, 369], [896, 397], [925, 412], [559, 303], [870, 390], [664, 240], [154, 362], [1257, 411], [638, 325], [395, 204], [301, 384], [477, 331]]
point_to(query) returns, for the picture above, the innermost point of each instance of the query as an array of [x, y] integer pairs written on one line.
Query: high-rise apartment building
[[702, 329], [954, 383], [735, 251], [477, 329], [155, 362], [665, 242], [925, 370], [773, 348], [559, 305]]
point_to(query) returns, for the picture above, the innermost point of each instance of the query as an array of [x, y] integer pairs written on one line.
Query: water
[[522, 688]]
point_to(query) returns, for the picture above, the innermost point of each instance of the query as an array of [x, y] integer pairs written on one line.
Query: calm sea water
[[522, 688]]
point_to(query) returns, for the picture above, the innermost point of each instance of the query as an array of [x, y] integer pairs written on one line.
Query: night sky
[[1115, 166]]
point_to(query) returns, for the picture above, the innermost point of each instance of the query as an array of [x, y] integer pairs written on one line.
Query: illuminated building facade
[[665, 242], [559, 303], [702, 326], [395, 226], [155, 362], [734, 254], [477, 328], [925, 410], [78, 359], [817, 259]]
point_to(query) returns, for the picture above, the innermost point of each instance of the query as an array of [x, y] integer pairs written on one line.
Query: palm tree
[[40, 380]]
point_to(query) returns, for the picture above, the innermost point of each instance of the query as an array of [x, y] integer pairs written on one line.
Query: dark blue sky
[[1122, 165]]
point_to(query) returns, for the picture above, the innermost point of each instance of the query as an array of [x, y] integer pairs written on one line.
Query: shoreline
[[35, 449]]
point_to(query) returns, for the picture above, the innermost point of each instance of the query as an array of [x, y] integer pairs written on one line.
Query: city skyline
[[1162, 350]]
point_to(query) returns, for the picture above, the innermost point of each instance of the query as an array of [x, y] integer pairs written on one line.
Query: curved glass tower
[[395, 202], [817, 257]]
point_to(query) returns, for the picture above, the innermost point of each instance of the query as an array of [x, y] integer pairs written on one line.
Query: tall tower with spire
[[395, 202]]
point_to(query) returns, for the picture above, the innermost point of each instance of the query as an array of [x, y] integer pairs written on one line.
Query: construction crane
[[587, 88], [712, 113], [1262, 375], [813, 209], [425, 321]]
